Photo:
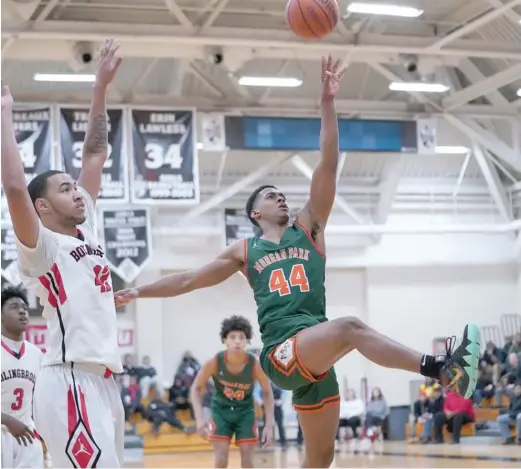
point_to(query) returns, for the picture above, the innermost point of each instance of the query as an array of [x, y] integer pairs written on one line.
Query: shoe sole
[[472, 358]]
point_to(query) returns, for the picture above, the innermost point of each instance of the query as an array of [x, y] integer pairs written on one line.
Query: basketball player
[[234, 372], [77, 406], [21, 362], [285, 266]]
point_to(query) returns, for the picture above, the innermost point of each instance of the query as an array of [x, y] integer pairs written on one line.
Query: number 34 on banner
[[156, 157]]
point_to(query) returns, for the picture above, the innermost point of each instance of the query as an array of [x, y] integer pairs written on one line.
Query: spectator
[[188, 368], [516, 345], [352, 411], [131, 397], [422, 414], [485, 388], [512, 375], [376, 410], [128, 365], [493, 357], [457, 411], [278, 396], [512, 418], [147, 376], [179, 396], [428, 387], [160, 412]]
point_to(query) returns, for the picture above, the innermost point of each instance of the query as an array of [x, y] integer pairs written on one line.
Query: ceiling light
[[65, 77], [388, 10], [418, 87], [270, 82], [519, 92], [451, 150]]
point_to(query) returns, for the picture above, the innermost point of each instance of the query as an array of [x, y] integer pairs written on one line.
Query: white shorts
[[79, 414], [15, 455]]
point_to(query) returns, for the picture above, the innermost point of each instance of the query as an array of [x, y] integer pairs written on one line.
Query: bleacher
[[486, 426]]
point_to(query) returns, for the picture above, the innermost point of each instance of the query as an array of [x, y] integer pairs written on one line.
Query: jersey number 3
[[19, 399], [297, 278]]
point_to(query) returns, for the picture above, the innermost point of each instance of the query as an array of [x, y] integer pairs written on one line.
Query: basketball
[[312, 19]]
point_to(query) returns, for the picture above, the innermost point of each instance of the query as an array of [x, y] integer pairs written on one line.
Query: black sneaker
[[460, 371]]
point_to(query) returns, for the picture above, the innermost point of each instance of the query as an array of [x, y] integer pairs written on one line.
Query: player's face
[[236, 340], [63, 200], [15, 315], [271, 206]]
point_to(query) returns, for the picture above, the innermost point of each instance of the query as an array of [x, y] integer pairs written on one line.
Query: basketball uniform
[[21, 363], [288, 285], [77, 405], [233, 410]]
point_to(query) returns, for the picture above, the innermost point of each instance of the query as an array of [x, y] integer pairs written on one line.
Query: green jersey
[[288, 283], [234, 389]]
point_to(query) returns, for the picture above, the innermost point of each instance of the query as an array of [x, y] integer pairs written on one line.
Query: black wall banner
[[127, 241], [165, 157], [33, 130], [237, 225], [73, 126]]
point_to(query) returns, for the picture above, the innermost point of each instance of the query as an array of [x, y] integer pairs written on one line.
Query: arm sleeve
[[36, 261]]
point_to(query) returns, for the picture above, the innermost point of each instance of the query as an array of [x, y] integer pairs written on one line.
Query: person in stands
[[457, 411]]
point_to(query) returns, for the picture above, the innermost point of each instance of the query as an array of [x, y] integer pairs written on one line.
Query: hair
[[9, 292], [38, 186], [236, 323], [251, 202], [381, 396]]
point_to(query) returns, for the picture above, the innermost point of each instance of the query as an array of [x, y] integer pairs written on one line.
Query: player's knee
[[221, 459], [322, 457], [247, 460], [351, 325]]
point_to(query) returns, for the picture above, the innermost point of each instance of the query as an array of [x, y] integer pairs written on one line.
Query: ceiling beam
[[473, 25], [483, 87], [510, 14], [144, 40], [215, 12], [497, 190], [177, 12]]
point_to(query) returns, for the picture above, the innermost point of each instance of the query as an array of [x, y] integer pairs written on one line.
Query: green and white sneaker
[[460, 371]]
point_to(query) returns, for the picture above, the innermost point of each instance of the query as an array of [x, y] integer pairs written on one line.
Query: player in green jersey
[[234, 372], [285, 266]]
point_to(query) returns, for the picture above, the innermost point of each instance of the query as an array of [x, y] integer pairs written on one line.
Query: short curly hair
[[251, 202], [11, 291], [236, 323]]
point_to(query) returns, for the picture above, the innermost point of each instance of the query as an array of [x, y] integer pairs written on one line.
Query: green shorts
[[229, 421], [283, 366]]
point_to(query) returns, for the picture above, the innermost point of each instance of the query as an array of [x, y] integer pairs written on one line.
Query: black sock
[[431, 366]]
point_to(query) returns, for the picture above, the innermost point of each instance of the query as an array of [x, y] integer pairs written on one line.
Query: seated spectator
[[511, 376], [179, 396], [160, 412], [427, 387], [352, 412], [147, 377], [516, 345], [376, 410], [484, 387], [422, 414], [188, 368], [131, 397], [457, 411], [493, 357], [128, 365], [512, 418]]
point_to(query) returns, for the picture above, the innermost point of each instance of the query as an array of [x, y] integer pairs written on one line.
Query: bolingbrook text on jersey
[[286, 253], [18, 373], [80, 252]]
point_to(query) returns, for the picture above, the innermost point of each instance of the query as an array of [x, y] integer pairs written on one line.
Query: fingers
[[5, 91], [324, 65]]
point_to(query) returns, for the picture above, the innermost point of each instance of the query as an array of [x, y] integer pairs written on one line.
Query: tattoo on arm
[[97, 138]]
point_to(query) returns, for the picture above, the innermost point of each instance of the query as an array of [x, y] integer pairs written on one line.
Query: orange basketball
[[312, 19]]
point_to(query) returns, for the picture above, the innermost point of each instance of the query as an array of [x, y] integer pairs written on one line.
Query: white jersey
[[21, 362], [71, 277]]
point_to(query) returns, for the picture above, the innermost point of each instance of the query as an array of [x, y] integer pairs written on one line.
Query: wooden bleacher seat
[[491, 401], [486, 414], [469, 429]]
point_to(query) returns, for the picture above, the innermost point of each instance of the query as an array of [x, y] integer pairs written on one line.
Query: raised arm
[[95, 147], [198, 390], [230, 261], [315, 213], [269, 405], [23, 214]]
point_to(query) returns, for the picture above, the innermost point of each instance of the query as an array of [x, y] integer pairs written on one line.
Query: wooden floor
[[393, 455]]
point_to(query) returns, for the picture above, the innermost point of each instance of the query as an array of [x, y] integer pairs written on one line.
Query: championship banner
[[213, 132], [73, 126], [9, 255], [127, 241], [237, 226], [33, 132], [165, 157], [37, 335]]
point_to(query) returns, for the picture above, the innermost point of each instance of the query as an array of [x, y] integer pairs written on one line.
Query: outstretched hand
[[332, 73], [7, 99], [107, 62], [124, 297]]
